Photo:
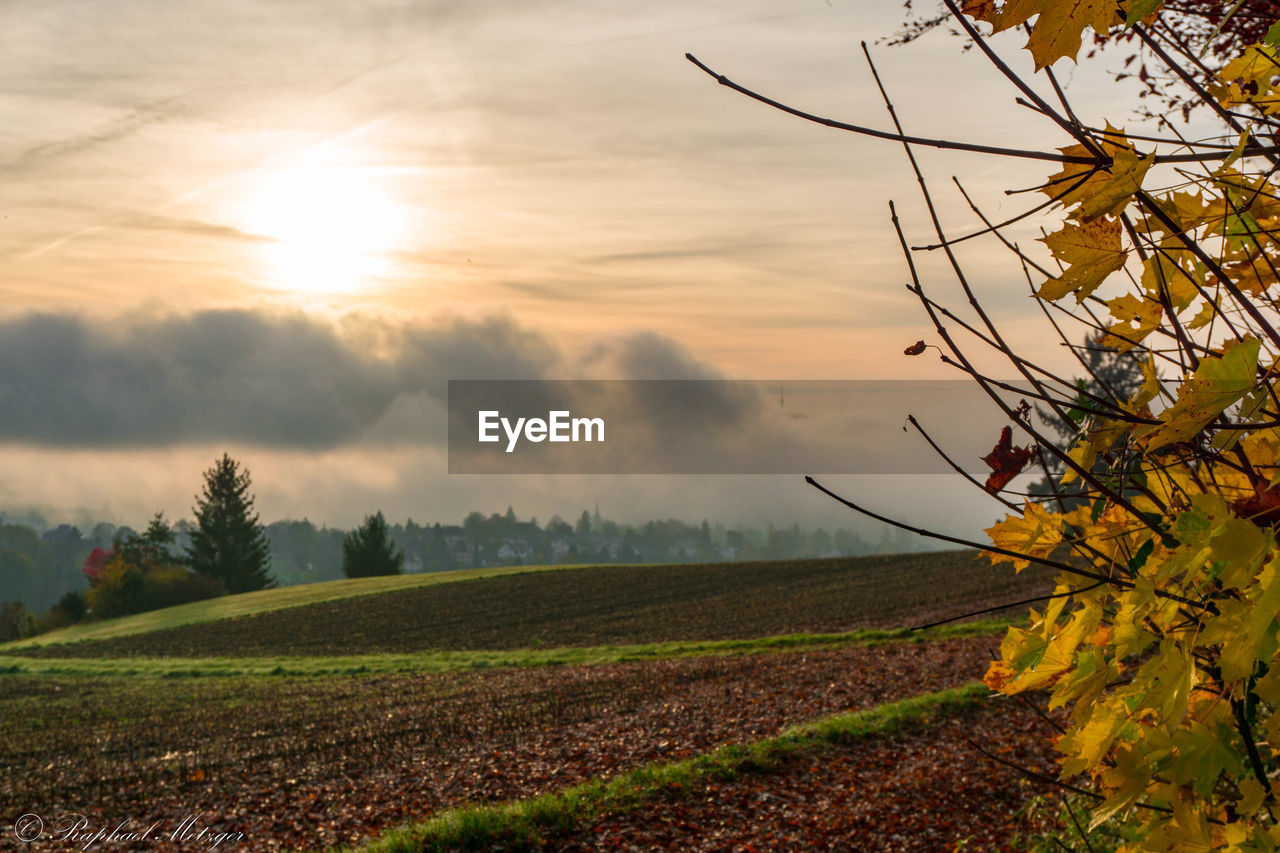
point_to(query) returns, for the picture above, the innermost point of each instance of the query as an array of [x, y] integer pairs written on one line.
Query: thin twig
[[1024, 601]]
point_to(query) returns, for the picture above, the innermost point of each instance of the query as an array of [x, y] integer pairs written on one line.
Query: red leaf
[[1262, 507], [1005, 461], [914, 349]]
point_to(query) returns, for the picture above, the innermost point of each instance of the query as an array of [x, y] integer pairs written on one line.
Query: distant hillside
[[251, 603], [39, 564], [600, 605]]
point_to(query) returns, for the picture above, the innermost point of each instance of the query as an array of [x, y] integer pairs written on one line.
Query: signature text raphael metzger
[[559, 426]]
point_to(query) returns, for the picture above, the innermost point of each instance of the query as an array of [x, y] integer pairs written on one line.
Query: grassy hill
[[523, 608], [251, 603]]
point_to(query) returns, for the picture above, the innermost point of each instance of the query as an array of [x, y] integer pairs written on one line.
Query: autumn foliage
[[138, 573], [1162, 637]]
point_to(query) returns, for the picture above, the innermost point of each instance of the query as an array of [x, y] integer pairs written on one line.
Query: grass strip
[[263, 601], [455, 661], [523, 824]]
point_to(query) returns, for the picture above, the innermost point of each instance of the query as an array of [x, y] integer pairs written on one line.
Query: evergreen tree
[[1113, 375], [152, 546], [368, 550], [229, 544]]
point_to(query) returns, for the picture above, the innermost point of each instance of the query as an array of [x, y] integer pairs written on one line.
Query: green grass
[[521, 824], [601, 606], [453, 661], [263, 601]]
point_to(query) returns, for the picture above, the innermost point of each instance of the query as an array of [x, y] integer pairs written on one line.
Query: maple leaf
[[1125, 782], [980, 10], [1162, 274], [1216, 384], [1083, 454], [1035, 533], [1107, 190], [1256, 66], [1015, 13], [999, 674], [1139, 9], [1092, 250], [1138, 318], [915, 349], [1089, 743], [1251, 277], [1058, 29], [1262, 507], [1150, 385], [1005, 461], [1185, 210], [1241, 649], [1208, 310]]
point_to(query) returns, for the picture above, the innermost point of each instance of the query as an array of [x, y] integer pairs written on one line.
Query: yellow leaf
[[1125, 781], [1170, 677], [999, 674], [1138, 318], [1086, 681], [1241, 547], [1083, 454], [1160, 274], [1092, 251], [1150, 385], [1087, 744], [1251, 796], [1187, 210], [1106, 190], [1036, 533], [1015, 13], [1058, 30], [1254, 277], [1238, 151], [1203, 317], [1256, 65], [1216, 384], [1241, 651]]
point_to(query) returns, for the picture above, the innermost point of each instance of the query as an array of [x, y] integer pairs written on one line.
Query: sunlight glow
[[330, 228]]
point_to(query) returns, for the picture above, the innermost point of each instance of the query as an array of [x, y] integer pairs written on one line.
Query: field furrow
[[321, 761], [924, 789], [605, 605]]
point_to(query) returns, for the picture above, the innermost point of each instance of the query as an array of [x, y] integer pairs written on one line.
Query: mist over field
[[209, 249]]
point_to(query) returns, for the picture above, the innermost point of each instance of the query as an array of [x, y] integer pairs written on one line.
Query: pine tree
[[368, 550], [1112, 375], [229, 543]]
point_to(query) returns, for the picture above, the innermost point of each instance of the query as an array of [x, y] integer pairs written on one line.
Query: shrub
[[73, 605], [15, 621], [70, 609], [122, 587]]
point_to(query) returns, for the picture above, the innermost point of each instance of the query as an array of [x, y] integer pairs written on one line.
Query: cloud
[[193, 227], [120, 128], [276, 380], [642, 355]]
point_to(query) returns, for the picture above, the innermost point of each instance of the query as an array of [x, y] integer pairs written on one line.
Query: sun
[[328, 228]]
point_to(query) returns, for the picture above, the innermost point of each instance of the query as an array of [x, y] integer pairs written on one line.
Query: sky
[[278, 229]]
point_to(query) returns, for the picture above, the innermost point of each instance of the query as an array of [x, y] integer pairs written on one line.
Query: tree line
[[61, 576]]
